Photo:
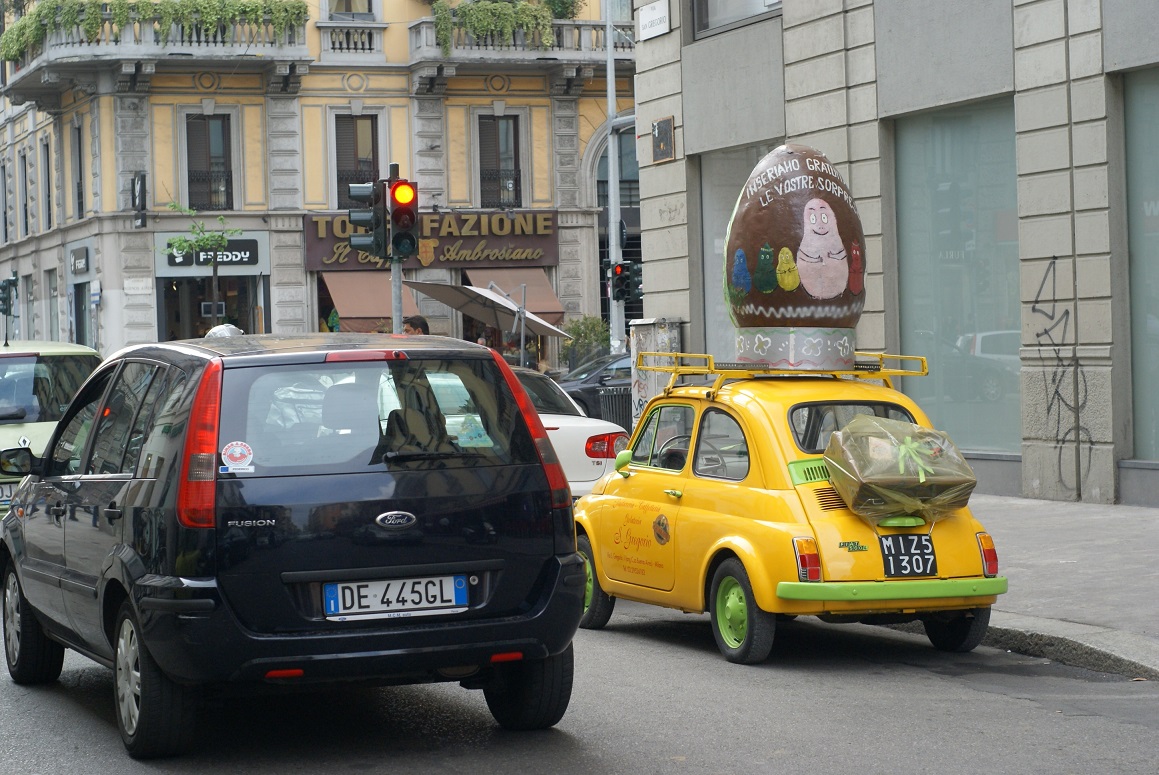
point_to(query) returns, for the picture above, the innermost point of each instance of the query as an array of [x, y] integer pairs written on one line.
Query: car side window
[[136, 440], [665, 442], [721, 448], [117, 418], [165, 423], [68, 452]]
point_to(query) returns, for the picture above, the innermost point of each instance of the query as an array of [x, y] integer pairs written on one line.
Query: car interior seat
[[350, 420]]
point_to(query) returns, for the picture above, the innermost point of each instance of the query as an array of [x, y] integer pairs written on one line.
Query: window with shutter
[[499, 173], [356, 154], [341, 10], [210, 163]]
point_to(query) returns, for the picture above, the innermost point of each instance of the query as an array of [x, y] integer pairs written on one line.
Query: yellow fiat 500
[[722, 504]]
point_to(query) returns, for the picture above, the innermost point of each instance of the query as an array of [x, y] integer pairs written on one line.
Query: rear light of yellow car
[[606, 445], [989, 555], [808, 560]]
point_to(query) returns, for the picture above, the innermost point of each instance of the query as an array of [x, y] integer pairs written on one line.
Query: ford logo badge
[[396, 520]]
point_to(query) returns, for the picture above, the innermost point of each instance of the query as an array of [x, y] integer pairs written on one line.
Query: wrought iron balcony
[[210, 190], [345, 178], [500, 188], [69, 57]]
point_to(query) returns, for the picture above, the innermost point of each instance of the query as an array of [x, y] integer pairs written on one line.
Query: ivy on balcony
[[496, 22], [90, 16]]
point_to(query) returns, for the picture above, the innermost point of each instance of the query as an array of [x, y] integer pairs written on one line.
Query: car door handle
[[112, 513], [57, 510], [674, 493]]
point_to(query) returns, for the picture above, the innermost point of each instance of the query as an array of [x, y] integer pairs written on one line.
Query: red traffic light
[[403, 193], [402, 204], [618, 269]]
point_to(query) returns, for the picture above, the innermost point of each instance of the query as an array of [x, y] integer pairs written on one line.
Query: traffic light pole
[[616, 315], [395, 267]]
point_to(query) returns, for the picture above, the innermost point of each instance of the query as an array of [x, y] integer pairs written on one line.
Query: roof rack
[[867, 365]]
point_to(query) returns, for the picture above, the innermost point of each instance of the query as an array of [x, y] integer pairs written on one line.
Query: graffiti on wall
[[1064, 383]]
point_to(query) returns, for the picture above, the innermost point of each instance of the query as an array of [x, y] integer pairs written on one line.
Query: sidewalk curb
[[1100, 649]]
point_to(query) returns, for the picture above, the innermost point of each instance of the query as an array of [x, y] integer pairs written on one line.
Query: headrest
[[350, 406]]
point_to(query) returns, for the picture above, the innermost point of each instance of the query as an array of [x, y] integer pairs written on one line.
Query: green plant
[[588, 335], [566, 9], [444, 24], [201, 239], [89, 15], [499, 19]]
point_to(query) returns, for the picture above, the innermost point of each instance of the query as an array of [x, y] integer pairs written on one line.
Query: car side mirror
[[16, 461], [622, 461]]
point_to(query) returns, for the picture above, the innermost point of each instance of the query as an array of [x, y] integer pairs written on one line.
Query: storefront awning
[[363, 300], [541, 298]]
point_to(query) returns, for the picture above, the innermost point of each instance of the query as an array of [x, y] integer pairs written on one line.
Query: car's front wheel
[[959, 633], [154, 714], [598, 604], [533, 693], [744, 633], [33, 657]]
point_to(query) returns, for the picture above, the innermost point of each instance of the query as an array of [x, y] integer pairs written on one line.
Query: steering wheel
[[709, 460], [670, 446]]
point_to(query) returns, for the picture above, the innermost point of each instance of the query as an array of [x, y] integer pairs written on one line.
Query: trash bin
[[616, 405]]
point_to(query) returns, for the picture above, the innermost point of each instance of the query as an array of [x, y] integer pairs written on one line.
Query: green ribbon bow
[[912, 450]]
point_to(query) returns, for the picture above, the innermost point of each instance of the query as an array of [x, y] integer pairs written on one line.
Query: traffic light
[[404, 219], [635, 281], [374, 218], [7, 290], [619, 278]]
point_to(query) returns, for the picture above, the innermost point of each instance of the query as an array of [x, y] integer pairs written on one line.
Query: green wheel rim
[[589, 582], [732, 613]]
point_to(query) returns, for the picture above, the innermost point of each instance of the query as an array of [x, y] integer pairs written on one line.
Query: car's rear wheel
[[531, 694], [958, 633], [154, 714], [744, 633], [33, 657], [598, 604], [991, 387]]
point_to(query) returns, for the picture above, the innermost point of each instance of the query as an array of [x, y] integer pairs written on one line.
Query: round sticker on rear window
[[238, 458]]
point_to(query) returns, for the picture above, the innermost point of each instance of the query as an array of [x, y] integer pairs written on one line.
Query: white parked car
[[586, 447]]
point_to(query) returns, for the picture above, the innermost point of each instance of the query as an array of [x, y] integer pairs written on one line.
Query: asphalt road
[[652, 695]]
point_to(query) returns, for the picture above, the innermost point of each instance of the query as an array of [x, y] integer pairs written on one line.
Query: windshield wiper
[[427, 455]]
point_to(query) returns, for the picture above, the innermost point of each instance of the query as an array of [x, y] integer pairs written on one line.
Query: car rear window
[[345, 416], [546, 396], [814, 423], [38, 388]]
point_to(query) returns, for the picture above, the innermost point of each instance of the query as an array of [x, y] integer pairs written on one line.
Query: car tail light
[[808, 561], [606, 445], [556, 479], [197, 490], [506, 656], [989, 555]]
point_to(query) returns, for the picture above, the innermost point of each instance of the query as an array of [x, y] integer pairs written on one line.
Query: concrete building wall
[[853, 67]]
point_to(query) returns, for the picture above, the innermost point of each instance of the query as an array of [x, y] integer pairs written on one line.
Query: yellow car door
[[633, 536]]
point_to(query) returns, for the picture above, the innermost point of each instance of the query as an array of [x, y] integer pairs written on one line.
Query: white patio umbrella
[[487, 306]]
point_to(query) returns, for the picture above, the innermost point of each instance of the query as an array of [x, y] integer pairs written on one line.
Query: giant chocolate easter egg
[[794, 263]]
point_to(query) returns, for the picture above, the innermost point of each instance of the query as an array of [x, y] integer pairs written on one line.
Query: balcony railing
[[349, 38], [152, 36], [575, 41], [210, 190], [500, 188]]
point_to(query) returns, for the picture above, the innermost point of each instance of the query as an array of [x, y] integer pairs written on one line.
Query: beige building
[[1002, 154], [263, 123]]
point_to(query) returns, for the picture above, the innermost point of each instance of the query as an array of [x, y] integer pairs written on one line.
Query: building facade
[[1003, 157], [124, 129]]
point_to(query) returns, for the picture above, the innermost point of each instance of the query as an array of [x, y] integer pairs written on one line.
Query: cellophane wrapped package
[[885, 468]]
